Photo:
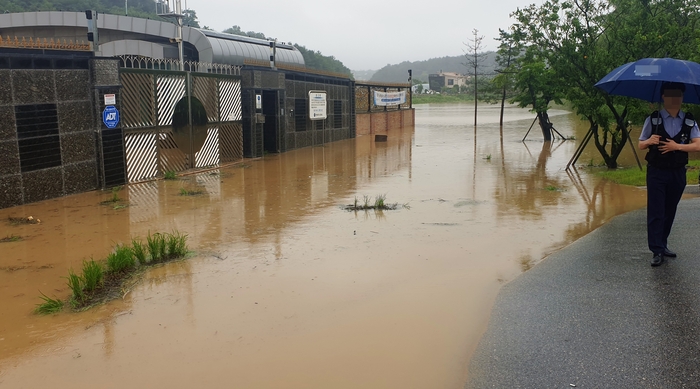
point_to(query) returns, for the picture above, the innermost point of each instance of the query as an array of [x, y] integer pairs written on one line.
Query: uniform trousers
[[665, 187]]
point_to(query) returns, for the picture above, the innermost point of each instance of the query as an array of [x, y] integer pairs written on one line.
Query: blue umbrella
[[642, 79]]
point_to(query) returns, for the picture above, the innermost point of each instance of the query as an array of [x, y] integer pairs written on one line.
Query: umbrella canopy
[[642, 79]]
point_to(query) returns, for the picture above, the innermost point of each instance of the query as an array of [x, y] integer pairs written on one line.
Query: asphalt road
[[597, 315]]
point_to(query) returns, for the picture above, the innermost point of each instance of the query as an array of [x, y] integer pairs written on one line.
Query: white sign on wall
[[382, 99], [317, 105], [110, 99]]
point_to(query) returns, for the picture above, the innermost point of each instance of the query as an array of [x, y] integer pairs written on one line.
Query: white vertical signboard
[[317, 105]]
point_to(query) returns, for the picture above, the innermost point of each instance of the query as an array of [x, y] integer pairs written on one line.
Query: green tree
[[582, 40], [509, 50], [316, 60], [236, 30], [190, 18]]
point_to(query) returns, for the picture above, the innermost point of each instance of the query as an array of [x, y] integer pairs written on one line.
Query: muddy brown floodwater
[[288, 290]]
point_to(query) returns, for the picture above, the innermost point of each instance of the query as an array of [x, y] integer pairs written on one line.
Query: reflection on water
[[286, 288]]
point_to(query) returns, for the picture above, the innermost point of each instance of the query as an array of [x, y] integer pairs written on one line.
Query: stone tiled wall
[[70, 90]]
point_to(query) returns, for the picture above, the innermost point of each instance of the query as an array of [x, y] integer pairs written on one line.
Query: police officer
[[669, 135]]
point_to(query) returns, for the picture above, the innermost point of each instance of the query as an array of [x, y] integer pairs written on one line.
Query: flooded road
[[286, 288]]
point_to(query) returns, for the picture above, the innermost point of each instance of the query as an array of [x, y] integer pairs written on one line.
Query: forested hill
[[147, 9], [421, 69]]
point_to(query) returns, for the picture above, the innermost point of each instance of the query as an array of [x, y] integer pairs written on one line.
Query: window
[[450, 82], [37, 133]]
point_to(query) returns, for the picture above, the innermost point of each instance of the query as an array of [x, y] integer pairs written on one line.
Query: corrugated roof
[[213, 47]]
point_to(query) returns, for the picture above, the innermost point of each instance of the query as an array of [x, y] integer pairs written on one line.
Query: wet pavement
[[597, 315], [287, 289]]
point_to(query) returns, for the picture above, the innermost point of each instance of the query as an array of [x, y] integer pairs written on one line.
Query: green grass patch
[[170, 175], [75, 283], [139, 251], [102, 281], [442, 98], [177, 244], [49, 305], [190, 192], [378, 204], [10, 238], [121, 259], [93, 275], [635, 177], [114, 200]]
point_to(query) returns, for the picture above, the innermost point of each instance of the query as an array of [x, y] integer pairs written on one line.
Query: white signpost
[[317, 105]]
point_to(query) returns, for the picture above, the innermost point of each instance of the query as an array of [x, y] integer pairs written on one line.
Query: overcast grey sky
[[366, 34]]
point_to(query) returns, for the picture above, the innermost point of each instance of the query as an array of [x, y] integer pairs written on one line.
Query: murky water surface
[[287, 289]]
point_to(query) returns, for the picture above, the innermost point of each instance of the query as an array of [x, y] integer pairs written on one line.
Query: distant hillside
[[364, 75], [421, 69]]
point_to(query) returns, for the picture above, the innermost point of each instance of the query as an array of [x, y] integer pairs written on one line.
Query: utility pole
[[177, 16]]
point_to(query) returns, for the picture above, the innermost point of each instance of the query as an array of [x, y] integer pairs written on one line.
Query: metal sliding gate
[[174, 121]]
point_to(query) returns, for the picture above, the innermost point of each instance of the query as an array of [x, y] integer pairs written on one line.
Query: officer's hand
[[654, 140], [667, 145]]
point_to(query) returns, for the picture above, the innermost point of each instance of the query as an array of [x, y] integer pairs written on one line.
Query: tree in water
[[473, 59]]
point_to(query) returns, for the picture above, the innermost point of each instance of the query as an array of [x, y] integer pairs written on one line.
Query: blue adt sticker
[[110, 116]]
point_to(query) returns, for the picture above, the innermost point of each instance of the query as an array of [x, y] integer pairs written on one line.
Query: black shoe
[[669, 253], [657, 260]]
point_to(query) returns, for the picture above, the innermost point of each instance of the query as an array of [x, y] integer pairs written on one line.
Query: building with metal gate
[[230, 102]]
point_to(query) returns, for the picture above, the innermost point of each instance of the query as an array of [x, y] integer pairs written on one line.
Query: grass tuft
[[93, 275], [49, 305], [379, 201], [121, 259], [139, 250], [75, 283], [177, 244], [190, 192], [10, 238], [170, 175], [154, 243], [115, 195]]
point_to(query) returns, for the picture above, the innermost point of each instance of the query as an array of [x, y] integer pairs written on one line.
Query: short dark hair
[[673, 86]]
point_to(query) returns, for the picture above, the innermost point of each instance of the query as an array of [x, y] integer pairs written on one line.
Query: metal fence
[[175, 121]]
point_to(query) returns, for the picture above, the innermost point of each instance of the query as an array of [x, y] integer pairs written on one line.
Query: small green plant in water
[[139, 250], [488, 157], [75, 283], [170, 175], [190, 192], [154, 243], [115, 194], [121, 259], [11, 238], [49, 305], [552, 188], [176, 244], [379, 201], [366, 201], [93, 275]]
